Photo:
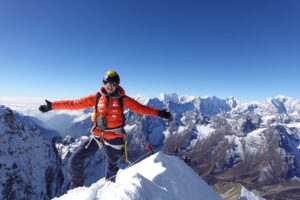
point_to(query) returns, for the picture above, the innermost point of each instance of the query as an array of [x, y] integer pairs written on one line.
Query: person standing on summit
[[108, 130]]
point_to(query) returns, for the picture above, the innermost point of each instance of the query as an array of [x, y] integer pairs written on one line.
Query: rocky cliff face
[[30, 167]]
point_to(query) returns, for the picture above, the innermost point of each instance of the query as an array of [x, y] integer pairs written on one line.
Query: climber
[[108, 129]]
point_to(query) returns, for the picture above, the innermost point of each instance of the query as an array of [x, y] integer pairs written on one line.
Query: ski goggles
[[111, 84]]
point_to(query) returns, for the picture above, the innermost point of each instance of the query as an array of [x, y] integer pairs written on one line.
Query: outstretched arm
[[81, 103], [136, 107]]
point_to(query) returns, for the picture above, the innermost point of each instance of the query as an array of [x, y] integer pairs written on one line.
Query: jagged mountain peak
[[232, 101], [283, 98], [187, 98], [141, 98], [169, 97], [5, 111], [210, 98]]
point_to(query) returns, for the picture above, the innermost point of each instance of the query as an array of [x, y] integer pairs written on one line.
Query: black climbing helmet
[[111, 76]]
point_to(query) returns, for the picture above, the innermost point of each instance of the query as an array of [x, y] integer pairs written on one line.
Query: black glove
[[46, 108], [164, 114]]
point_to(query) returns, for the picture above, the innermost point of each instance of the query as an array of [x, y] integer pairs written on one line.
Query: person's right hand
[[47, 107], [165, 114]]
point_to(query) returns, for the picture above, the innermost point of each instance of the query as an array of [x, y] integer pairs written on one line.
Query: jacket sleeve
[[136, 107], [78, 104]]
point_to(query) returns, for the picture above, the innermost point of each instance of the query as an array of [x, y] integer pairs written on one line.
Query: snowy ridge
[[159, 177]]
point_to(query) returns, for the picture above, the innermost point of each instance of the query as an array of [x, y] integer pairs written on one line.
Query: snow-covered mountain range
[[230, 143]]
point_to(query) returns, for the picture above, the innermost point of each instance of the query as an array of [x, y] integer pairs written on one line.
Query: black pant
[[86, 150], [113, 156]]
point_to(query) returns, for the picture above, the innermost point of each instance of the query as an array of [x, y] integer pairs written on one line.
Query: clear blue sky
[[249, 49]]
